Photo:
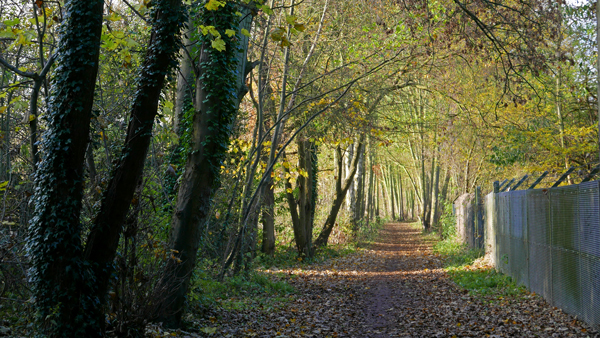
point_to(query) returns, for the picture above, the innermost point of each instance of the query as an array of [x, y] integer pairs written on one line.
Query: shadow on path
[[395, 288]]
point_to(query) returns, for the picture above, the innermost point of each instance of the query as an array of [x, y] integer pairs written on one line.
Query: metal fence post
[[507, 186], [538, 180], [519, 183], [563, 177]]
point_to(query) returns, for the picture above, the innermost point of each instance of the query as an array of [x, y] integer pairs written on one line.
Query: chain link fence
[[545, 239]]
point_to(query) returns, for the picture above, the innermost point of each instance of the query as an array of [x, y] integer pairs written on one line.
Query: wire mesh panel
[[540, 263], [499, 220], [565, 221], [589, 227], [518, 214], [479, 221], [589, 218], [549, 240], [566, 288], [490, 226], [502, 234], [590, 290], [518, 251]]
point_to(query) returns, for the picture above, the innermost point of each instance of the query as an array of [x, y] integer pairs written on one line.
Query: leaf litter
[[397, 287]]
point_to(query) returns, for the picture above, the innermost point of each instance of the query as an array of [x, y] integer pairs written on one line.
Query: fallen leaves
[[396, 288]]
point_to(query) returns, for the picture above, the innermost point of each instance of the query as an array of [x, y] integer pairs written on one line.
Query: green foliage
[[463, 267], [368, 232], [288, 257], [485, 282], [238, 292], [455, 253], [218, 71], [447, 222], [179, 151]]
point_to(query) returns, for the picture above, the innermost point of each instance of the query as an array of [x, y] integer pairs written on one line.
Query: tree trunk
[[435, 198], [340, 193], [185, 78], [402, 210], [160, 58], [427, 192], [442, 198], [412, 205], [351, 200], [268, 219], [357, 211], [218, 91], [370, 194], [302, 211], [282, 116], [397, 192], [66, 303], [391, 193]]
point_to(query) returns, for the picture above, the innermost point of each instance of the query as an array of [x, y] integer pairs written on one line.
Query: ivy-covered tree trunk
[[160, 59], [219, 88], [63, 295], [340, 192]]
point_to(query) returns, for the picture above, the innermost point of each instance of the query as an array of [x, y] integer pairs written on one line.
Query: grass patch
[[368, 234], [239, 292], [266, 291], [468, 268], [288, 257]]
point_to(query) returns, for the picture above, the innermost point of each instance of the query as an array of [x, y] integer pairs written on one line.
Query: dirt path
[[396, 288]]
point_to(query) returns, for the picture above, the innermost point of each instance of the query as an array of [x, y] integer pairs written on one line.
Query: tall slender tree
[[64, 297]]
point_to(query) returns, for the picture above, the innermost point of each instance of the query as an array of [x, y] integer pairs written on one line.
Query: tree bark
[[402, 210], [281, 119], [340, 193], [303, 210], [211, 132], [442, 198], [371, 189], [104, 237], [347, 164], [59, 273], [185, 78], [391, 193], [435, 198], [356, 212]]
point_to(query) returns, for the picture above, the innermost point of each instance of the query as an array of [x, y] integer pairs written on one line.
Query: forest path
[[394, 288]]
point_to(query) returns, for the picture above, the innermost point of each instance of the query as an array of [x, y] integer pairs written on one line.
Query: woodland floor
[[394, 288]]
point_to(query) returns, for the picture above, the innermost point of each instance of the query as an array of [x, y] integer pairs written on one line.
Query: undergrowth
[[470, 269], [239, 292], [259, 289]]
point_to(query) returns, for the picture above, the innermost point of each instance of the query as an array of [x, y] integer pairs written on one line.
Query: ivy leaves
[[217, 43]]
